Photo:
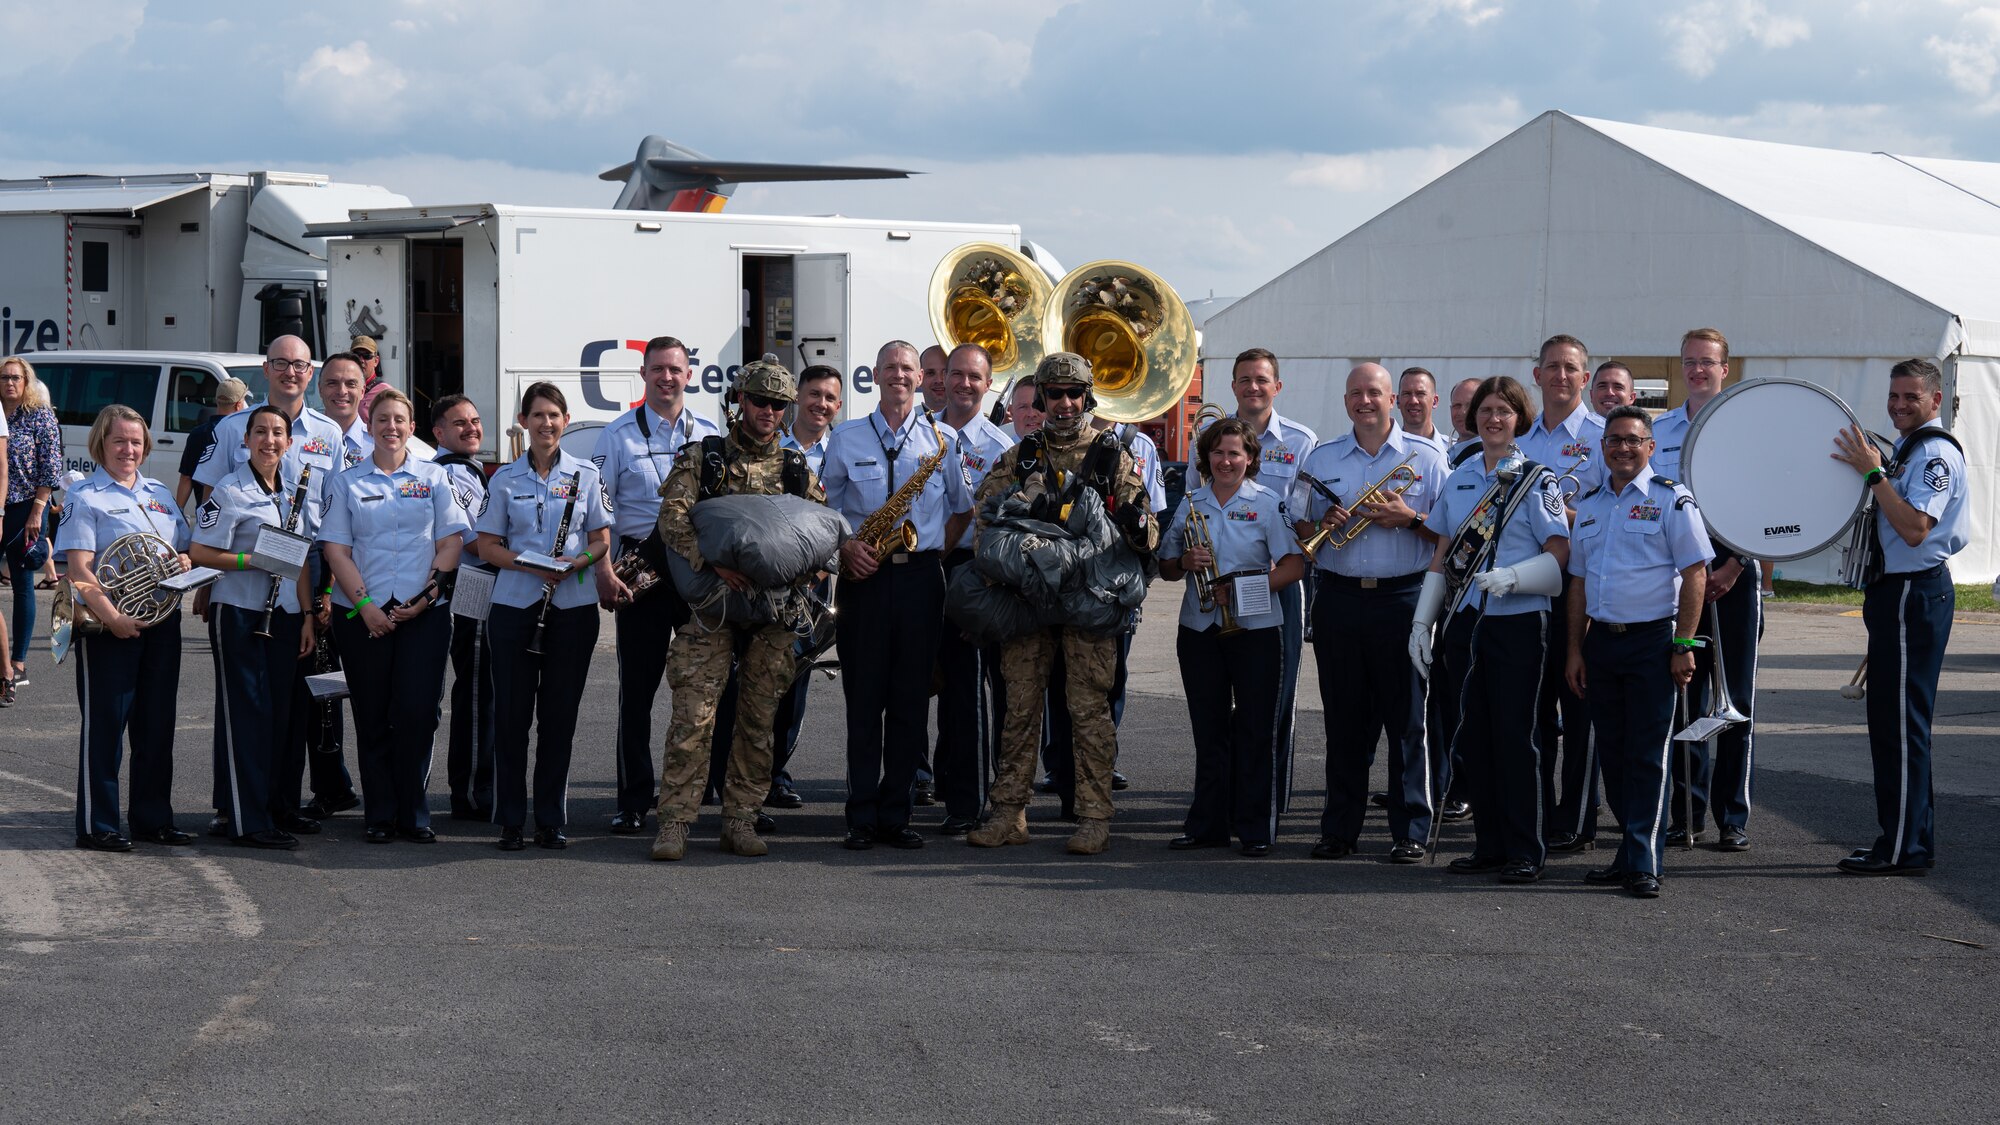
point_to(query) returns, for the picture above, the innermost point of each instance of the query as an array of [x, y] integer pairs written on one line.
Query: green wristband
[[356, 611]]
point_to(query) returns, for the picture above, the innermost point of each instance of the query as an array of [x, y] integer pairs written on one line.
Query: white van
[[174, 390]]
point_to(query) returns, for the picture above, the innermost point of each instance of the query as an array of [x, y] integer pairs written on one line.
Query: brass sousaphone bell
[[1135, 331], [987, 294]]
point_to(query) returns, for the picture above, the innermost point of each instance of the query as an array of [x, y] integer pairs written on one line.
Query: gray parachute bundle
[[777, 542], [1029, 574]]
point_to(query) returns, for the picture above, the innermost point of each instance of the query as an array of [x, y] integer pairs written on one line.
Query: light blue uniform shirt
[[980, 444], [1249, 533], [228, 521], [1538, 517], [1285, 447], [860, 476], [1435, 439], [1670, 432], [1343, 466], [634, 455], [315, 441], [1146, 459], [1933, 481], [815, 453], [101, 511], [468, 487], [1630, 547], [392, 522], [525, 510], [1559, 449]]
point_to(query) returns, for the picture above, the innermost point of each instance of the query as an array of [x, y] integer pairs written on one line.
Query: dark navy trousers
[[1232, 687], [1909, 622], [1368, 685], [395, 683], [1629, 688], [644, 629], [1722, 785], [469, 755], [889, 624], [315, 741], [540, 692], [253, 720], [126, 689], [1569, 768], [1495, 665], [968, 726]]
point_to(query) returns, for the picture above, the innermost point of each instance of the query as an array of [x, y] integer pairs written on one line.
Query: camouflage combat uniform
[[698, 662], [1090, 660]]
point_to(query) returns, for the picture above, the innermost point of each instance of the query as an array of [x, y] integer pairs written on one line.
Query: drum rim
[[1695, 425]]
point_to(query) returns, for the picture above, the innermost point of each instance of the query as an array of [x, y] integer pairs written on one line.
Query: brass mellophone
[[1206, 579]]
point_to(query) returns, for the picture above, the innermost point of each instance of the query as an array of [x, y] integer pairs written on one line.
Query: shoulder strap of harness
[[1908, 445], [793, 474], [1462, 455], [1100, 466], [714, 461], [464, 459], [1029, 459]]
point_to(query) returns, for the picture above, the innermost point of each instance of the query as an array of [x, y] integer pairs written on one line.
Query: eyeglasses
[[364, 354], [1612, 441], [298, 366], [766, 402], [1071, 391], [1704, 364]]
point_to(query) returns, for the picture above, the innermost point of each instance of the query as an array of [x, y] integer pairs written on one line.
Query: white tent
[[1817, 264]]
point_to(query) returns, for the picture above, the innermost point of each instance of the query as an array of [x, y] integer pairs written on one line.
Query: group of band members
[[1544, 571]]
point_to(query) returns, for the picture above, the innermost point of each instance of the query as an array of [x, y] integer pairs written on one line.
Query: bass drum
[[1759, 462], [580, 439]]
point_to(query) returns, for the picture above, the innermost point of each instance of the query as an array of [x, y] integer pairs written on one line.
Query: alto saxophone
[[889, 529]]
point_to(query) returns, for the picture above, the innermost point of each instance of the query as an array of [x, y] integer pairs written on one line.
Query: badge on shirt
[[1242, 515], [156, 506], [1576, 449], [1937, 474], [1279, 455], [352, 458], [603, 491], [974, 462], [1648, 511], [1552, 501], [463, 493], [598, 461], [562, 490], [206, 453], [483, 501], [210, 514], [318, 445], [413, 490]]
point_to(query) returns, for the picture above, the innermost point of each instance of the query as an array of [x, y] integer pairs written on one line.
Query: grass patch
[[1972, 597]]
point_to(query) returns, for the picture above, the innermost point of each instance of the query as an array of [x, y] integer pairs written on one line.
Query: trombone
[[1206, 579], [1403, 477]]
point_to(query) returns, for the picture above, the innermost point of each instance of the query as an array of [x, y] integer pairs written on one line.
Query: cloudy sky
[[1216, 141]]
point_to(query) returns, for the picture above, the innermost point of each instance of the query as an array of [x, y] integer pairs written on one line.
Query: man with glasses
[[1723, 784]]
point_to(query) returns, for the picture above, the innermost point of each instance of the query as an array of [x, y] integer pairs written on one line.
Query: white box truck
[[182, 262], [484, 299]]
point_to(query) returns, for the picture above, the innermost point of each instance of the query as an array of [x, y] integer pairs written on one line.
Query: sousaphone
[[988, 294], [1135, 331]]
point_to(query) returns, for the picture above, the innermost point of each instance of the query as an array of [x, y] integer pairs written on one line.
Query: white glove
[[1429, 602], [1541, 576]]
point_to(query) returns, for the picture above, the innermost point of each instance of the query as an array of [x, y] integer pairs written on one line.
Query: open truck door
[[367, 285]]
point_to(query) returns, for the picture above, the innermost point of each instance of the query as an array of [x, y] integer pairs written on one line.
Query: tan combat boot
[[1093, 835], [1007, 825], [672, 842], [740, 836]]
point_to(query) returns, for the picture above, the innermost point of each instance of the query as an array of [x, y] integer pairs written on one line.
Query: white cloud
[[1971, 55], [348, 86], [1873, 128], [59, 33], [1471, 13], [1701, 33]]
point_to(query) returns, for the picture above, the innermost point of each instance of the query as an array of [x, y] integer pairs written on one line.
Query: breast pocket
[[1643, 527], [871, 481]]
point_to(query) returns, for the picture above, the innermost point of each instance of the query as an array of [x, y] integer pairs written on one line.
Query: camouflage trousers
[[1024, 665], [697, 671]]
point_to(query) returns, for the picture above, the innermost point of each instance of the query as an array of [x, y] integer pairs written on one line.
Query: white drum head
[[1759, 462], [580, 439]]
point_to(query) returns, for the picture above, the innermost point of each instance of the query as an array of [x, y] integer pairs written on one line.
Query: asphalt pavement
[[453, 982]]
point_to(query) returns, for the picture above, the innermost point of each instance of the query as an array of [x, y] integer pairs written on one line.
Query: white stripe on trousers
[[1666, 786], [1278, 766], [228, 725], [1902, 720], [1535, 731], [83, 678]]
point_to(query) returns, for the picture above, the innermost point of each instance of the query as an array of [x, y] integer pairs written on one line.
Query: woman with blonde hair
[[33, 473]]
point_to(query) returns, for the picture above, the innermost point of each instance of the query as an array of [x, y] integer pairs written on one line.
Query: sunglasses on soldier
[[768, 403]]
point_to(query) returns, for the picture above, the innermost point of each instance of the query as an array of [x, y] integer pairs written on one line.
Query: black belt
[[1396, 582], [1937, 571], [1632, 626]]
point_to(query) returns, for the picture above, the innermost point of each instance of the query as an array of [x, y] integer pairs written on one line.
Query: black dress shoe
[[1192, 843], [906, 838], [1605, 877], [1378, 799], [1455, 811], [551, 838], [1733, 840], [1332, 849], [784, 797], [221, 827], [957, 825], [924, 793], [165, 834], [859, 839], [1406, 851], [380, 833], [628, 824], [319, 808], [1571, 842], [510, 839], [1475, 865], [419, 835], [1119, 782], [1868, 864], [297, 825], [1520, 871], [1254, 851], [271, 838], [104, 842], [1678, 837], [1639, 884], [766, 826]]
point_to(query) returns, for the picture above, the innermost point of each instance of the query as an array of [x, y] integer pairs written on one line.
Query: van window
[[79, 390], [190, 398]]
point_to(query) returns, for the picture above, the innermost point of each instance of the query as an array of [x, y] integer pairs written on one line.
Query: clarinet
[[562, 540], [291, 524]]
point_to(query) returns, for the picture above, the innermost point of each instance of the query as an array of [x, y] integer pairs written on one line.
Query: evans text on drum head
[[1759, 462]]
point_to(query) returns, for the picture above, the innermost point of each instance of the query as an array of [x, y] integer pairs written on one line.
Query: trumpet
[[1206, 579], [1403, 477]]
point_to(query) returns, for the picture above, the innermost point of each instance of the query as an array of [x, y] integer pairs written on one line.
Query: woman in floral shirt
[[34, 470]]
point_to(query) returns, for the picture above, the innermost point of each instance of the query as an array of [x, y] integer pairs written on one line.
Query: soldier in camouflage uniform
[[698, 663], [1062, 390]]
